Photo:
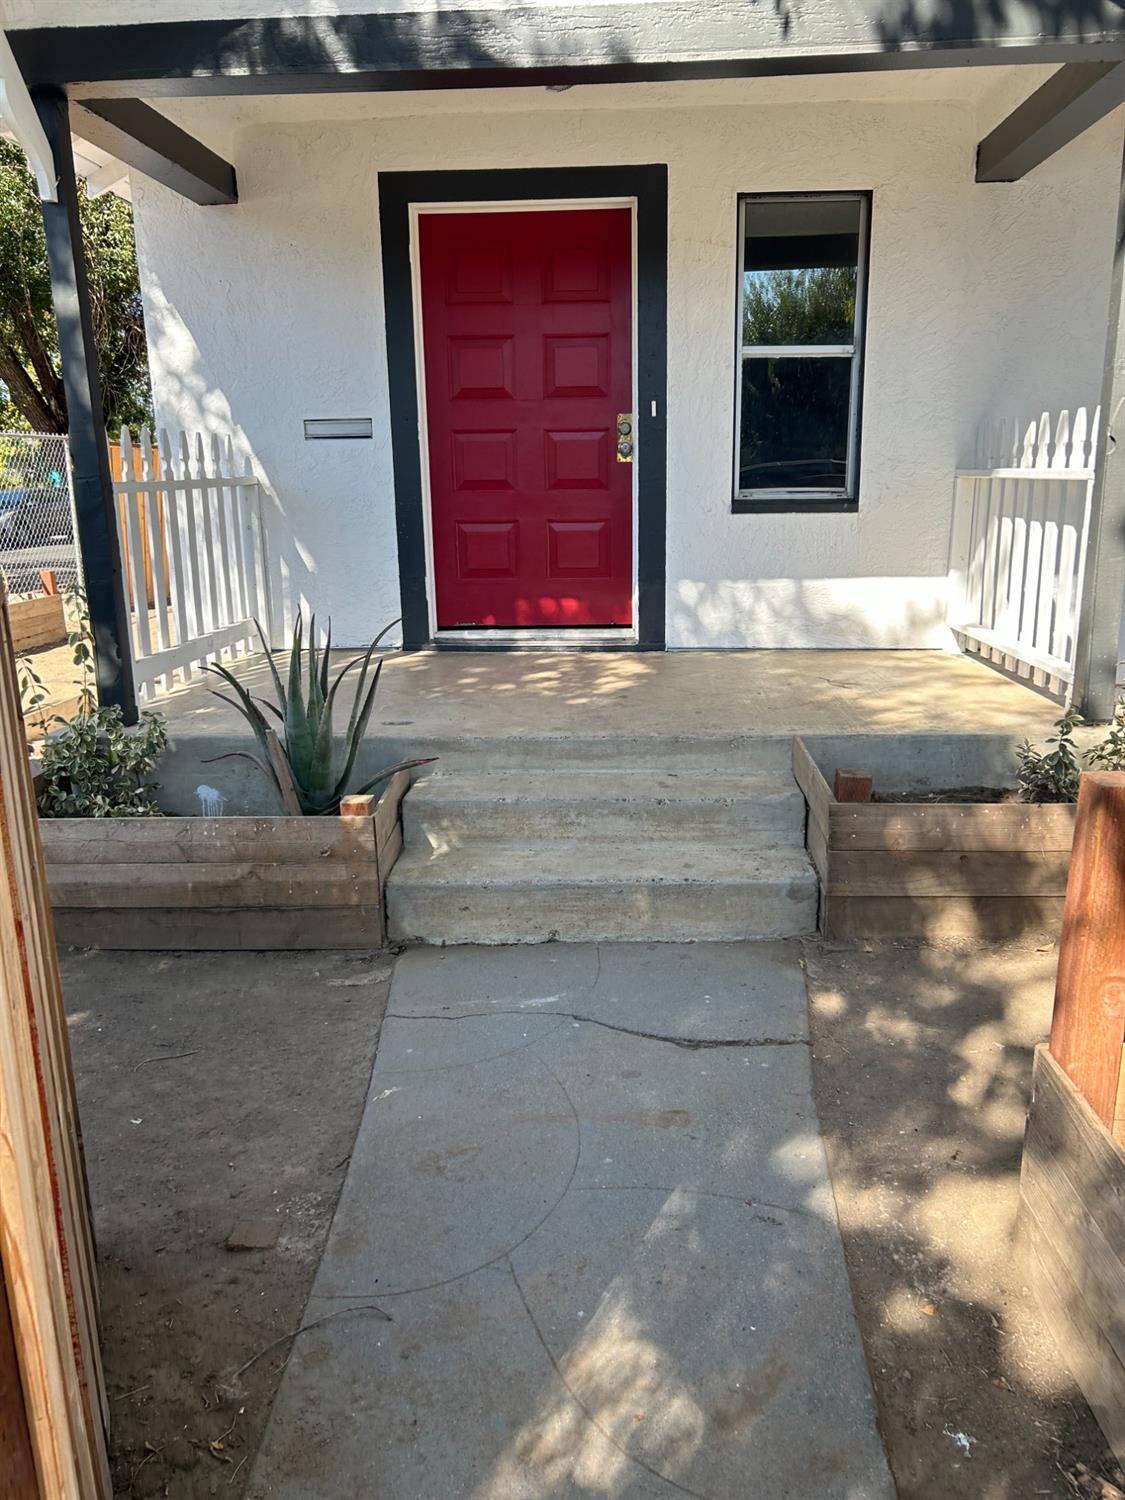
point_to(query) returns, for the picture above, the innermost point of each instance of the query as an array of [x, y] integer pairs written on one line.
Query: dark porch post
[[1103, 589], [93, 484]]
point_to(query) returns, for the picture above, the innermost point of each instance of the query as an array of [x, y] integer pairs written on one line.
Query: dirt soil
[[219, 1094], [973, 794], [922, 1067]]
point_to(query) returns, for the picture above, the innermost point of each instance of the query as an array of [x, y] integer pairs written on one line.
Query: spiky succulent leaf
[[359, 697], [245, 705], [356, 733], [266, 769], [298, 739], [324, 661], [274, 673], [403, 765]]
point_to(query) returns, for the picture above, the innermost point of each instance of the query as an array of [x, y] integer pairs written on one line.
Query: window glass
[[802, 274], [794, 424]]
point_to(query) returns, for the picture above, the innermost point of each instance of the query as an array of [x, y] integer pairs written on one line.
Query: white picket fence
[[1021, 522], [194, 553]]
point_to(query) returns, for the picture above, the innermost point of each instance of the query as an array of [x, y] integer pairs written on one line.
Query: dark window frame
[[648, 185], [785, 501]]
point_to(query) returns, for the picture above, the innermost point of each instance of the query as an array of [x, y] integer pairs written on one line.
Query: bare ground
[[216, 1090], [922, 1070]]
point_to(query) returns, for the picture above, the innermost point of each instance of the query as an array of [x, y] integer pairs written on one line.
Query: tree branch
[[34, 405]]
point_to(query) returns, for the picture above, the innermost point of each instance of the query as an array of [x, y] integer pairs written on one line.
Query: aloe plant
[[302, 758]]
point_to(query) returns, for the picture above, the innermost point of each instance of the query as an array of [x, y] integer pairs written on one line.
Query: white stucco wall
[[983, 299]]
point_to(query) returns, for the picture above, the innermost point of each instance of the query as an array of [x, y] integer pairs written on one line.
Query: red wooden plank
[[1088, 1027]]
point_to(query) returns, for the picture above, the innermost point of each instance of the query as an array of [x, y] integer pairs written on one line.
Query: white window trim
[[852, 351]]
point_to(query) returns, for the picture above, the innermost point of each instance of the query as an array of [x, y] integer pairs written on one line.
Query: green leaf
[[274, 673], [356, 733]]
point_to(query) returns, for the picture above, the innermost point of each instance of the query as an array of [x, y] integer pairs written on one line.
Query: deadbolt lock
[[624, 437]]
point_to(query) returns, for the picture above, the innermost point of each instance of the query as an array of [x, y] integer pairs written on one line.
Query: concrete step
[[586, 890], [450, 809], [391, 742]]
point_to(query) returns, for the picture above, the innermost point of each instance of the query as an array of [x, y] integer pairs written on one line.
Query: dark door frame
[[648, 185]]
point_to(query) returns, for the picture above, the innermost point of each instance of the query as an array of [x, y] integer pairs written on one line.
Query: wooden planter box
[[225, 882], [1072, 1238], [926, 869], [38, 623]]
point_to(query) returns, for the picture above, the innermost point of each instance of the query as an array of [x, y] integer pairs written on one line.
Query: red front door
[[526, 328]]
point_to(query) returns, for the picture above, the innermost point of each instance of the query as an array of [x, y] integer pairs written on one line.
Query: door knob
[[624, 437]]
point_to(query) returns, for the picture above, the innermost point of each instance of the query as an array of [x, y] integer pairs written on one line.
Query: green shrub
[[95, 767], [1051, 775], [1110, 754]]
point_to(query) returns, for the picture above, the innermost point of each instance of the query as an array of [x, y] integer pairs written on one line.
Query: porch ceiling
[[989, 91], [481, 46]]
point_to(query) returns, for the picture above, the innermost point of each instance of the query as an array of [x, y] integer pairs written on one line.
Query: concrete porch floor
[[600, 703]]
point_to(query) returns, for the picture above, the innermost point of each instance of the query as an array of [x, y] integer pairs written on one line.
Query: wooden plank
[[1016, 826], [1084, 1349], [358, 805], [390, 852], [948, 873], [216, 841], [38, 623], [1064, 1130], [1096, 1269], [1088, 1026], [250, 884], [810, 779], [46, 1242], [988, 917], [1072, 1190], [388, 814], [205, 929], [17, 1474], [819, 802]]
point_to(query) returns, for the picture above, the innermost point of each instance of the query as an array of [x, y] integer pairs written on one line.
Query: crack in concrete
[[614, 1442], [501, 1255], [689, 1044]]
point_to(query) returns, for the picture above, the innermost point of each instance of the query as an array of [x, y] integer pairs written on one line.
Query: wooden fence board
[[1072, 1211], [213, 841], [947, 873], [38, 623], [326, 883], [1088, 1025], [206, 929], [46, 1240], [987, 917], [1016, 827]]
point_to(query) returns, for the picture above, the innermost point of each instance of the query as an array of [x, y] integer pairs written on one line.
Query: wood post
[[1088, 1027], [852, 786], [93, 487], [1103, 580]]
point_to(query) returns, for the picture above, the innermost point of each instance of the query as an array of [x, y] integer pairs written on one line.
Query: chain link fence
[[36, 511]]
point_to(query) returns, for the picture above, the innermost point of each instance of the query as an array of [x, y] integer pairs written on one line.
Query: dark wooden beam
[[1103, 581], [533, 44], [1070, 101], [93, 484], [144, 139]]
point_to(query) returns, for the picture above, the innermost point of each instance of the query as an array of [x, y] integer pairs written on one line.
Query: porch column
[[1103, 586], [93, 484]]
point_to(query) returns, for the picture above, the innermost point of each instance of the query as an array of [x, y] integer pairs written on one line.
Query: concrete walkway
[[586, 1246]]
